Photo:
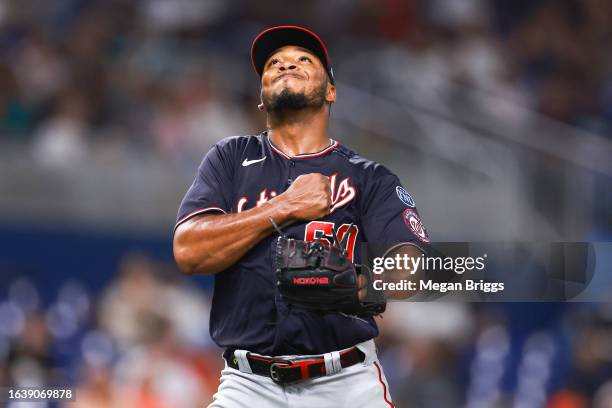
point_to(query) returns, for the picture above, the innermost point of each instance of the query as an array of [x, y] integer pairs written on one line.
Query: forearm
[[211, 244], [396, 276]]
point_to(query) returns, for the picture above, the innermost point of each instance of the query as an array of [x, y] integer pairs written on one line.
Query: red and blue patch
[[413, 222]]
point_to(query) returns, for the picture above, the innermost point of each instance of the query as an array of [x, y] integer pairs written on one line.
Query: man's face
[[293, 78]]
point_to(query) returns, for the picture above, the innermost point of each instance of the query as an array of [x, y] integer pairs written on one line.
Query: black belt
[[285, 371]]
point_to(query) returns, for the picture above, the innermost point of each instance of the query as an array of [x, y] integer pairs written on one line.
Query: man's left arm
[[394, 233]]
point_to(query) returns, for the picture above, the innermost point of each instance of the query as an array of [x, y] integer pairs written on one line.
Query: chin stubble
[[288, 101]]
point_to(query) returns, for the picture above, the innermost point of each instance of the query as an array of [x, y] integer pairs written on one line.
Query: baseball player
[[296, 176]]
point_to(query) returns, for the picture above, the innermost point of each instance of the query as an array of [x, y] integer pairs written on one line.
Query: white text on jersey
[[342, 193]]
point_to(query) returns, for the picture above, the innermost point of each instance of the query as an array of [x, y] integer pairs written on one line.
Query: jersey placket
[[292, 172]]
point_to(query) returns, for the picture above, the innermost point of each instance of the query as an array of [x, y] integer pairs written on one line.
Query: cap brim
[[274, 38]]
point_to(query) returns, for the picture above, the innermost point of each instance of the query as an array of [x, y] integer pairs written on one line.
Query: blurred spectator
[[160, 373], [419, 347], [183, 14], [603, 397], [592, 354], [61, 142], [30, 362], [39, 67], [140, 295], [16, 116], [567, 399], [96, 390], [193, 114], [127, 303]]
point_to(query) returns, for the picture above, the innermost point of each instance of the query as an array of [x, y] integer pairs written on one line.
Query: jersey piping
[[198, 212], [275, 149]]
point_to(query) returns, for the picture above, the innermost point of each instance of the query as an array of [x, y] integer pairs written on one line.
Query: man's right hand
[[209, 244], [308, 197]]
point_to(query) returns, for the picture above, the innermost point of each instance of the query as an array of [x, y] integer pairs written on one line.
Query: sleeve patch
[[405, 197], [413, 222]]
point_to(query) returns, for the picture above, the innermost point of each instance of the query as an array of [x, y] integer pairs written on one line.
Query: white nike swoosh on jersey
[[248, 162]]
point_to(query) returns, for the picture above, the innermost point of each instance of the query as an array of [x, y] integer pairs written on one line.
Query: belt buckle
[[274, 373]]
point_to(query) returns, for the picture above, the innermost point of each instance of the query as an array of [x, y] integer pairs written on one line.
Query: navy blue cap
[[274, 38]]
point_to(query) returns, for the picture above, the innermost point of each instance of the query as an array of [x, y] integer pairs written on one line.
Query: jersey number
[[323, 231]]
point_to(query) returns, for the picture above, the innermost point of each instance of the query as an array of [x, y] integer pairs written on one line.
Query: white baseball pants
[[360, 385]]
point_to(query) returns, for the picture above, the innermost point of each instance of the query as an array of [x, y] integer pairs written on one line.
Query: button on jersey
[[243, 172]]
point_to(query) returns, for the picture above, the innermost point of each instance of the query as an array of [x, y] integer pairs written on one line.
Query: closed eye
[[305, 58]]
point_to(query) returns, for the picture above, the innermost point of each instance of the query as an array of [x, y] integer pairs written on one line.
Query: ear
[[330, 93], [261, 104]]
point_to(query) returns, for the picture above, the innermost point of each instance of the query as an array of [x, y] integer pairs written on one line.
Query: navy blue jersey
[[239, 173]]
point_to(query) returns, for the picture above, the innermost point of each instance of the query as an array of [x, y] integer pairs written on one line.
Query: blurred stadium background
[[497, 115]]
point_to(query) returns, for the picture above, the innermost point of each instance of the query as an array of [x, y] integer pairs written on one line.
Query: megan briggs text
[[442, 287]]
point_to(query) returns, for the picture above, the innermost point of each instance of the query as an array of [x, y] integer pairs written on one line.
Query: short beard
[[291, 101]]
